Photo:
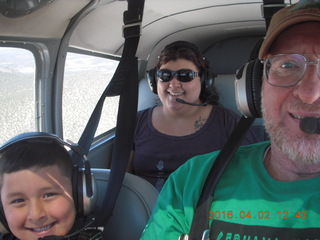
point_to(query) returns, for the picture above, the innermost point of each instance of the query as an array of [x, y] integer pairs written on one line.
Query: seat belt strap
[[124, 83], [200, 223], [270, 7]]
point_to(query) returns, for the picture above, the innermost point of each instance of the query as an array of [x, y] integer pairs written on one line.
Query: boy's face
[[38, 202]]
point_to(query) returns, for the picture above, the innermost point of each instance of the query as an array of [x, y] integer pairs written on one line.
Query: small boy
[[36, 188]]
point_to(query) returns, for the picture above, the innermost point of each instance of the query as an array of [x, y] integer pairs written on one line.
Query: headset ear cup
[[4, 228], [89, 193], [84, 192], [76, 188], [207, 82], [248, 89], [256, 82], [152, 80]]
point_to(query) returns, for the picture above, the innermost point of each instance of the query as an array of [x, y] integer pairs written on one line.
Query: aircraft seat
[[226, 89], [133, 207]]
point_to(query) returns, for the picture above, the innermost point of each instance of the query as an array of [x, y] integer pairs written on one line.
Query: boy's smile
[[40, 205]]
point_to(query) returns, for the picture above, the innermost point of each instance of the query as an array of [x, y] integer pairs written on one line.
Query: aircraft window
[[17, 77], [85, 79]]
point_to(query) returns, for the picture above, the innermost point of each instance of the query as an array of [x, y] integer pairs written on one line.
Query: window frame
[[42, 81], [109, 133]]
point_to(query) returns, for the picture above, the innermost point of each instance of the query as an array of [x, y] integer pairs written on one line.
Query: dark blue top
[[157, 154]]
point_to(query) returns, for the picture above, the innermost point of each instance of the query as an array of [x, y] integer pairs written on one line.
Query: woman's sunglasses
[[183, 75]]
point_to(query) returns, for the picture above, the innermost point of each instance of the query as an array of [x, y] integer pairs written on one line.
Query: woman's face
[[188, 91], [38, 202]]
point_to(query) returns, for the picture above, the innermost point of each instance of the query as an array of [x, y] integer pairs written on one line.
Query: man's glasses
[[183, 75], [286, 70]]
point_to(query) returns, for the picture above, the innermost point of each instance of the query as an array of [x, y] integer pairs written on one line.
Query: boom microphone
[[192, 104], [310, 125]]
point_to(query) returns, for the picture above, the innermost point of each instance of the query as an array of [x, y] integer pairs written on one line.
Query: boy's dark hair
[[26, 155]]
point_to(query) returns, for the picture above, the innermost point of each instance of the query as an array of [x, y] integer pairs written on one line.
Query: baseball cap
[[303, 11]]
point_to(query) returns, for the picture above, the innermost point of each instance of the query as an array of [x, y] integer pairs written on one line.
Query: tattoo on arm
[[199, 123]]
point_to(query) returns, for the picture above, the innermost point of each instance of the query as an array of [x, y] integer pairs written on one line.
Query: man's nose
[[308, 88]]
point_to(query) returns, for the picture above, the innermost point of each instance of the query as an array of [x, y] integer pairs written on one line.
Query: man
[[270, 190]]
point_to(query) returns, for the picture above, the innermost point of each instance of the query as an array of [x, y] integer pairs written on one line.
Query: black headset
[[248, 85], [84, 186], [207, 77]]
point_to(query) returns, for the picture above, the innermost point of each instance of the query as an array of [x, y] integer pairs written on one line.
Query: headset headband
[[40, 136]]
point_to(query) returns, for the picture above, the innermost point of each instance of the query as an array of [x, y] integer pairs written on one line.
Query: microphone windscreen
[[310, 125]]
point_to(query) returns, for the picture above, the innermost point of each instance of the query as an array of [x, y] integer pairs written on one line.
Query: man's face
[[283, 107]]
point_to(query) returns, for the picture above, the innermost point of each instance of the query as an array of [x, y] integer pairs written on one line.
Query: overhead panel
[[50, 21]]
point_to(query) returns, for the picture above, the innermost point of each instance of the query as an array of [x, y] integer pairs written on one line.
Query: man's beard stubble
[[303, 150]]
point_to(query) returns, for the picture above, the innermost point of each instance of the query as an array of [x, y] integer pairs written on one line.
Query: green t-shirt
[[248, 203]]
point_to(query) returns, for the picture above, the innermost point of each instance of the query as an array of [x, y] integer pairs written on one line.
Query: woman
[[190, 120]]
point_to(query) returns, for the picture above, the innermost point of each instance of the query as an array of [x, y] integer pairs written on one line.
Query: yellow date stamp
[[258, 214]]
